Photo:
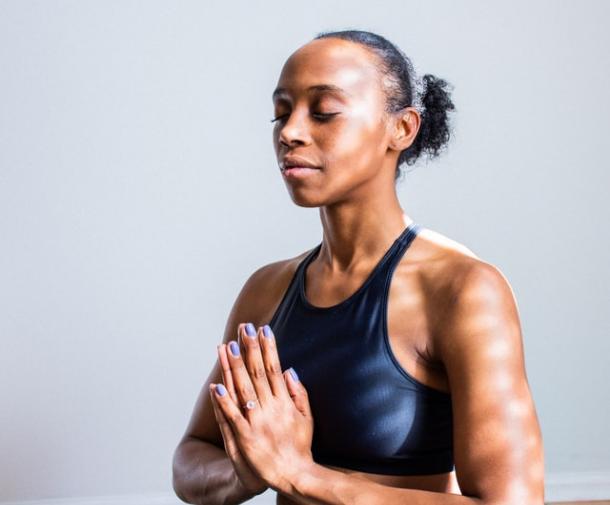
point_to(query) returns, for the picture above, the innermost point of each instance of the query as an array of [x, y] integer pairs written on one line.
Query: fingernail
[[220, 390], [234, 348], [267, 331], [250, 330], [294, 374]]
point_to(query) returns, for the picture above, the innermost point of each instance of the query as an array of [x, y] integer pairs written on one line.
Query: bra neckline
[[367, 281]]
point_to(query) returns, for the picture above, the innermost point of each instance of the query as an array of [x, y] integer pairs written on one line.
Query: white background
[[139, 189]]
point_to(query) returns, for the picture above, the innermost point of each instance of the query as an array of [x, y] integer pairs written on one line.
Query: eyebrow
[[316, 87]]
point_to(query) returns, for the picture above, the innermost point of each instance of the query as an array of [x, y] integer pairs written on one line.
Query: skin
[[453, 321]]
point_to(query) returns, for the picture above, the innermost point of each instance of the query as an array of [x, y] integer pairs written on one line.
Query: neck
[[361, 228]]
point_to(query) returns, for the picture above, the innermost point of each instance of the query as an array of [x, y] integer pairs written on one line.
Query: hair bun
[[435, 128]]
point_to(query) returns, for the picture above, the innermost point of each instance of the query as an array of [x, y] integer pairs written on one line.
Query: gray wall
[[139, 189]]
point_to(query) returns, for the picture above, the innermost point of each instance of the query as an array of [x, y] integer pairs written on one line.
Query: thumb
[[297, 392]]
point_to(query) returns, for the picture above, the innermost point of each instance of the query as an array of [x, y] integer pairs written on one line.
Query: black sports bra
[[369, 413]]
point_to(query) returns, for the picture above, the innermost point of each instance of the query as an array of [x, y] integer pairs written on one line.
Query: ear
[[404, 129]]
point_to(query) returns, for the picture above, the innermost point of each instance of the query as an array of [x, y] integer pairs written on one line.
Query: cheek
[[355, 142]]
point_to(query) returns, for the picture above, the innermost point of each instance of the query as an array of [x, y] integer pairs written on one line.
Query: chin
[[307, 199], [307, 203]]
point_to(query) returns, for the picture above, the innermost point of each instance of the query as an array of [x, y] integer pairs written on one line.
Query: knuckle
[[274, 368], [246, 390], [258, 371], [238, 364]]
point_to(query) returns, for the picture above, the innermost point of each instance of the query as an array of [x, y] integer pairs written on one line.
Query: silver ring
[[250, 404]]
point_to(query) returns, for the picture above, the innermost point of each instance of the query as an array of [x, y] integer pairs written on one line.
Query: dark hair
[[433, 101]]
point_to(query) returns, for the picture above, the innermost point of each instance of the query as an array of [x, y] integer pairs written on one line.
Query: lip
[[299, 172], [296, 162]]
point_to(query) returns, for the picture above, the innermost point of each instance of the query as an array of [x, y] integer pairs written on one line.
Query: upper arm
[[258, 293], [497, 440]]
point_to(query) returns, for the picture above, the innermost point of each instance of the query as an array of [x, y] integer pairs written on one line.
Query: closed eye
[[320, 116]]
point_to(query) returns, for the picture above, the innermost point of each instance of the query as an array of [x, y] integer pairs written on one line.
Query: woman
[[406, 379]]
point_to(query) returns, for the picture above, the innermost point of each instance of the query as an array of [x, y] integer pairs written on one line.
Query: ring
[[250, 404]]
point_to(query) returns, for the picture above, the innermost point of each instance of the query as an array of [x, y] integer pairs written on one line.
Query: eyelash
[[322, 117]]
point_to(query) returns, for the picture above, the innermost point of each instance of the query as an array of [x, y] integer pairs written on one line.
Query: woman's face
[[330, 108]]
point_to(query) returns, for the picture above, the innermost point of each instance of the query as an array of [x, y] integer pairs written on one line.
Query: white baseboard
[[560, 486], [139, 499], [267, 498]]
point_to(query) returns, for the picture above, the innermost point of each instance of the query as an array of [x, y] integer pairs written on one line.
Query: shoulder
[[460, 287], [262, 292], [450, 267], [480, 310]]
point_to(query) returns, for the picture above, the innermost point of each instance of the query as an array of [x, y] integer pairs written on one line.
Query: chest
[[369, 412], [407, 325]]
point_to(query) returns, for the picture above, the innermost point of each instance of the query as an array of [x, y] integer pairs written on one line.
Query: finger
[[297, 392], [230, 442], [223, 423], [253, 360], [273, 366], [231, 411], [246, 394], [227, 376]]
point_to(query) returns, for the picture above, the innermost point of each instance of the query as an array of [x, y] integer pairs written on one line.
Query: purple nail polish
[[293, 373], [250, 330], [220, 389], [267, 331], [234, 348]]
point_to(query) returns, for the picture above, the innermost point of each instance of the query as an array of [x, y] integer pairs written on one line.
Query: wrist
[[241, 492], [293, 481]]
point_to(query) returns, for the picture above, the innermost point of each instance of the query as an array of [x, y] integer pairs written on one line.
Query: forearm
[[204, 474], [331, 487]]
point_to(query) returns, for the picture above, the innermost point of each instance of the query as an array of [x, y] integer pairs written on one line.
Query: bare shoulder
[[440, 264], [436, 247], [448, 272], [262, 293], [456, 269]]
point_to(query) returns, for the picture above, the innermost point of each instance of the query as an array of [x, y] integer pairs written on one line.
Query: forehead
[[335, 62]]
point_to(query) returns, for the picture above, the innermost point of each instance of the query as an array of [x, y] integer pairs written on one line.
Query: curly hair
[[429, 95]]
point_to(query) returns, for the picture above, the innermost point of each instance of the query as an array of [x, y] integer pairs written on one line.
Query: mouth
[[295, 172], [291, 161]]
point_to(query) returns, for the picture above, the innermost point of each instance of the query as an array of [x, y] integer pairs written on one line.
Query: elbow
[[506, 501], [516, 495], [177, 489], [178, 475], [522, 499]]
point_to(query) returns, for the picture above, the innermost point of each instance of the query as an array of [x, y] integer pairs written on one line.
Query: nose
[[294, 131]]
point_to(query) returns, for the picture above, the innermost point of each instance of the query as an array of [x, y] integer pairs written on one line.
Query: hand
[[275, 435], [249, 479]]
